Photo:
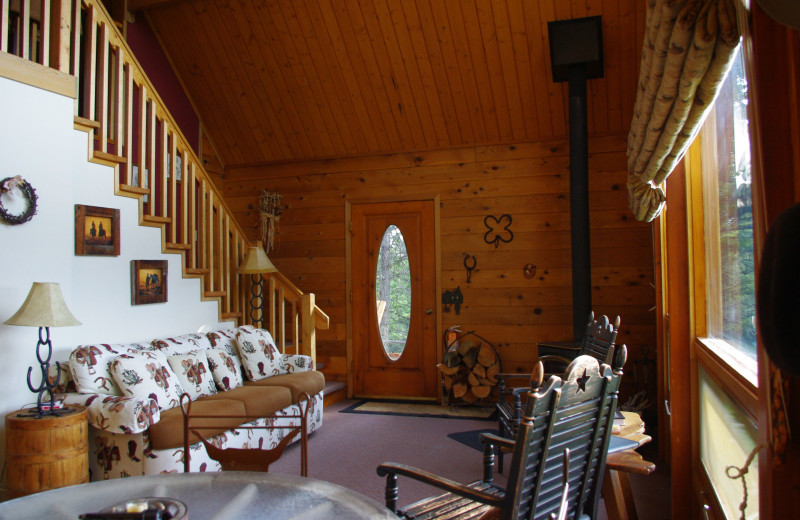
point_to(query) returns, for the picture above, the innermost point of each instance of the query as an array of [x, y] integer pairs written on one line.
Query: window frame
[[721, 361]]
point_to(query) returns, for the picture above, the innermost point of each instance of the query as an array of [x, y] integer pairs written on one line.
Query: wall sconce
[[255, 264], [44, 308]]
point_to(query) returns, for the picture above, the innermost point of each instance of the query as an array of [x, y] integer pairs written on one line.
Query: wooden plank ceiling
[[287, 81]]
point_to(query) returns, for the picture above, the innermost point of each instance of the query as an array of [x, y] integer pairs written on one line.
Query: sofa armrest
[[117, 414], [297, 363]]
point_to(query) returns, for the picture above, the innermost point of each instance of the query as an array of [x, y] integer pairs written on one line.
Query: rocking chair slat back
[[574, 414]]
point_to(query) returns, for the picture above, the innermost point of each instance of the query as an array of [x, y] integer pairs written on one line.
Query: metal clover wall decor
[[6, 186], [498, 229]]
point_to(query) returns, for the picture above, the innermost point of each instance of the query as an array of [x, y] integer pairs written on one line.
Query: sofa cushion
[[259, 401], [259, 355], [147, 374], [193, 373], [167, 433], [90, 366], [311, 382], [225, 368], [182, 344]]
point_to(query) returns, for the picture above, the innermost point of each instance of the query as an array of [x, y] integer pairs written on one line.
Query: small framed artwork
[[148, 281], [96, 231]]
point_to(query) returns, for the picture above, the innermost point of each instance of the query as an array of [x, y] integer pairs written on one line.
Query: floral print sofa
[[133, 391]]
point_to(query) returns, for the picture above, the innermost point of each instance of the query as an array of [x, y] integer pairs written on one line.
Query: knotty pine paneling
[[278, 81], [529, 181]]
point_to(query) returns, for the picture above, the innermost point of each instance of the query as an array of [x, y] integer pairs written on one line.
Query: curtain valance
[[688, 49]]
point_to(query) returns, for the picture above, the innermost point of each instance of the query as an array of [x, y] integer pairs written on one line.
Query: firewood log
[[481, 391]]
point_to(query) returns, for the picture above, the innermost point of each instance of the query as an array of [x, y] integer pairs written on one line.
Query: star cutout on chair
[[582, 382]]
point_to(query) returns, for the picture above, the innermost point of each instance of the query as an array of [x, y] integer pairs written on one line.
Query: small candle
[[136, 507]]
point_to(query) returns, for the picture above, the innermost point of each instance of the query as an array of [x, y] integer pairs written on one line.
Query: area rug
[[420, 410], [471, 438]]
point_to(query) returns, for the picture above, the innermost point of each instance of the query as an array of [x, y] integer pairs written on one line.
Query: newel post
[[309, 343]]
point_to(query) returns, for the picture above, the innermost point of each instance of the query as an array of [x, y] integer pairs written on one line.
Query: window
[[393, 292], [718, 167], [728, 225]]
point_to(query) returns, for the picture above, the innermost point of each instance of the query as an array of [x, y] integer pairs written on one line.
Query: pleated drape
[[688, 49]]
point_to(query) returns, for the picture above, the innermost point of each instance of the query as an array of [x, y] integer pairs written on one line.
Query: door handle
[[428, 311]]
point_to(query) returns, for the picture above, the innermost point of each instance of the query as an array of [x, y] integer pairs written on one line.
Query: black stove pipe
[[579, 201]]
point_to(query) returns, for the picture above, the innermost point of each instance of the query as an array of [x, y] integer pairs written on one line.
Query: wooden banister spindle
[[161, 174], [118, 99], [75, 43], [191, 215], [141, 132], [24, 35], [295, 326], [44, 34], [102, 86], [89, 67], [150, 156], [60, 34], [129, 122], [5, 10], [172, 142]]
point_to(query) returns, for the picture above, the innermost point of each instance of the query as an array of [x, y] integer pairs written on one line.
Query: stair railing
[[131, 130]]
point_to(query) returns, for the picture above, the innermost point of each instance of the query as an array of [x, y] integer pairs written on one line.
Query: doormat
[[472, 438], [420, 410]]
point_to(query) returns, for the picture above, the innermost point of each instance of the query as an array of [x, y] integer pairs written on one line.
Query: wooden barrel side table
[[46, 453]]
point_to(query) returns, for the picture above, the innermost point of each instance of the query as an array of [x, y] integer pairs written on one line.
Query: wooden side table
[[48, 452], [617, 493]]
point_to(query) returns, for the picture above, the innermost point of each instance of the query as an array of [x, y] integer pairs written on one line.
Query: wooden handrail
[[131, 130], [292, 316]]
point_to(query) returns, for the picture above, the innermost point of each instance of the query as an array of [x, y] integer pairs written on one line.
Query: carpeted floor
[[349, 447]]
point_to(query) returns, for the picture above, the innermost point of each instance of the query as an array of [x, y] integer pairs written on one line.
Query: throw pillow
[[260, 356], [225, 368], [223, 338], [193, 373], [147, 374], [90, 366], [182, 344]]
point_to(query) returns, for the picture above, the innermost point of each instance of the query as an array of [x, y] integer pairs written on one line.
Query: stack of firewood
[[469, 371]]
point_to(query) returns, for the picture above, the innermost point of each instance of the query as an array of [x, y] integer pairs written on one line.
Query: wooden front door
[[384, 366]]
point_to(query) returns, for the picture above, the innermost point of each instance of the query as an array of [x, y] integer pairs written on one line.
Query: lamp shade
[[44, 307], [256, 262]]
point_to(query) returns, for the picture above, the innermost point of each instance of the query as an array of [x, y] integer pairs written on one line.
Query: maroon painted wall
[[147, 50]]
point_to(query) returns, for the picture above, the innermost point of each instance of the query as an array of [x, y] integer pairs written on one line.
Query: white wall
[[38, 142]]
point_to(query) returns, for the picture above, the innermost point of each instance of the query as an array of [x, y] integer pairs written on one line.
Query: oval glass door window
[[393, 293]]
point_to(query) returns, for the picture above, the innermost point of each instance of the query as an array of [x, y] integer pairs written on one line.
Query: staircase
[[131, 131]]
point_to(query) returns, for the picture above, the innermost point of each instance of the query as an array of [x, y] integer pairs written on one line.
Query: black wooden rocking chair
[[575, 413], [598, 342]]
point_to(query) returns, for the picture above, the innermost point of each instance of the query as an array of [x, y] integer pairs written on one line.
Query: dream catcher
[[269, 212]]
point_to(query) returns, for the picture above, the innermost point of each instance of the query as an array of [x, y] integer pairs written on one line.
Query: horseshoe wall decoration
[[498, 229]]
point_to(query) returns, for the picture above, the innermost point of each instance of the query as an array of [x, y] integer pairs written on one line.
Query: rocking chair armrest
[[390, 470], [496, 440]]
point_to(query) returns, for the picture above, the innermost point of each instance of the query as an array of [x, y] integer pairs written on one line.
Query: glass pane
[[393, 292], [732, 304], [727, 436]]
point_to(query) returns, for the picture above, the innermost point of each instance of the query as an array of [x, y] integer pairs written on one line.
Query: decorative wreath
[[8, 184]]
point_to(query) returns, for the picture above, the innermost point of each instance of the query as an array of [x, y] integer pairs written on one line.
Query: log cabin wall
[[529, 182]]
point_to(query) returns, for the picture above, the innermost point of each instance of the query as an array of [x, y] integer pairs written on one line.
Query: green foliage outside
[[393, 286]]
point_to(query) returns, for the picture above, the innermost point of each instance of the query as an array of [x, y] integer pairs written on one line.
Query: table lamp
[[255, 264], [44, 308]]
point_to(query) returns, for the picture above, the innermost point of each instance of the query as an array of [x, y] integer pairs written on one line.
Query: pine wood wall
[[529, 181]]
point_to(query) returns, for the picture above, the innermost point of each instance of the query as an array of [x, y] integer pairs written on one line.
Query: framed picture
[[96, 231], [148, 281]]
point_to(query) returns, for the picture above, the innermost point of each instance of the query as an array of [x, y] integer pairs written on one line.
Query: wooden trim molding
[[39, 76]]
